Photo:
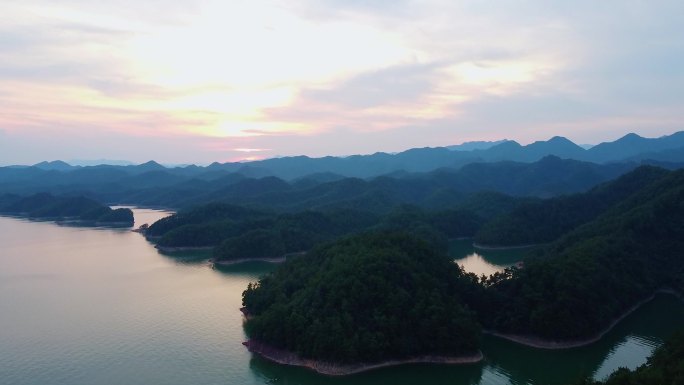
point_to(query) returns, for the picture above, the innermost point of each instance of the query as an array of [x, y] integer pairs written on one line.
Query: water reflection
[[103, 307], [143, 216], [188, 257], [252, 270], [399, 375], [627, 345], [629, 353], [481, 261]]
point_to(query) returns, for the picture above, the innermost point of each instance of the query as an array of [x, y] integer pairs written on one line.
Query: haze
[[203, 81]]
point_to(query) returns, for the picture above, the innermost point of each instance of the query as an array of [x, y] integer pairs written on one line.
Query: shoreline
[[243, 260], [541, 343], [284, 357], [280, 259], [489, 247], [67, 221], [143, 207], [170, 249]]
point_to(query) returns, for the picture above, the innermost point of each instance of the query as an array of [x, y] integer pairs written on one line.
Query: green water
[[102, 306]]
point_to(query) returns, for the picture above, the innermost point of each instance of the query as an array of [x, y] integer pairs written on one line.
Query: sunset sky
[[203, 81]]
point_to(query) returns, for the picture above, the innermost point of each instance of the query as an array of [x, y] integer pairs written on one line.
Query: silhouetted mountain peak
[[476, 145], [557, 142], [151, 165], [561, 140], [631, 137], [56, 165], [511, 144]]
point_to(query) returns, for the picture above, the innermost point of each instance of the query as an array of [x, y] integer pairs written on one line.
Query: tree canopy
[[365, 298]]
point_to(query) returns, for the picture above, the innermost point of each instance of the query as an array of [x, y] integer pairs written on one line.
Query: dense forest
[[365, 298], [664, 367], [78, 208], [569, 290], [577, 285], [544, 220], [236, 232]]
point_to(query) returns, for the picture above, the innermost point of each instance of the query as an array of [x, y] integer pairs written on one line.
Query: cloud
[[333, 76], [403, 83]]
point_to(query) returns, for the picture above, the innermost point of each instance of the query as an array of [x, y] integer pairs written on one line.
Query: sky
[[202, 81]]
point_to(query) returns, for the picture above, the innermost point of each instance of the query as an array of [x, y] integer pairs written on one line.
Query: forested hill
[[390, 293], [364, 299], [237, 232], [77, 208], [578, 284], [542, 221]]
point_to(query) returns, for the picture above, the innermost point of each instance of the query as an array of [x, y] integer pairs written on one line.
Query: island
[[360, 303], [77, 210]]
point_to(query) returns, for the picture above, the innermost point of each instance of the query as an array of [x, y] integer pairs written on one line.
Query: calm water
[[481, 261], [101, 306]]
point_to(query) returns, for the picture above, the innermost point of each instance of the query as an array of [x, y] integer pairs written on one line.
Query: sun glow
[[245, 44], [240, 58], [496, 76]]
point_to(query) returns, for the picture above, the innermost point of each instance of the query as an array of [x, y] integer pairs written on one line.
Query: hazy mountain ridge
[[424, 176], [631, 147], [548, 177]]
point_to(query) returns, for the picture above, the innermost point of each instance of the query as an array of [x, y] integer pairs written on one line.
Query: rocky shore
[[541, 343], [332, 369]]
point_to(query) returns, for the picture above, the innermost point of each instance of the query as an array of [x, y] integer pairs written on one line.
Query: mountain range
[[629, 148], [541, 169]]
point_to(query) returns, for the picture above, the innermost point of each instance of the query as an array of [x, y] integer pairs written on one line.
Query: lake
[[103, 306]]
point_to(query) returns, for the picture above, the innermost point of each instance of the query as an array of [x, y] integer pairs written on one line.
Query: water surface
[[484, 261], [103, 307]]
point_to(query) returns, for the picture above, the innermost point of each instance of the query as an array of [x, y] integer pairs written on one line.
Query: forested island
[[73, 209], [568, 293], [362, 302]]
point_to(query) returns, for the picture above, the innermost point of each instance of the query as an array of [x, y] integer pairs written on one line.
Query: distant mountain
[[477, 145], [673, 155], [149, 166], [57, 165], [632, 145], [112, 183], [511, 150], [545, 178], [557, 146], [151, 184], [98, 162]]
